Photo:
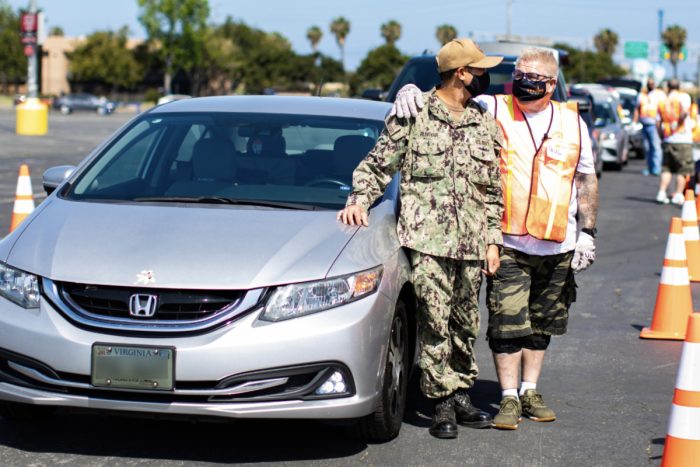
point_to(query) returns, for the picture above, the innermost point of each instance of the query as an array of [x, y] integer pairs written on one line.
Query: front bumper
[[353, 336]]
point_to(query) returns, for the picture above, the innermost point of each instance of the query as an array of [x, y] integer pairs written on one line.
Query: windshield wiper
[[224, 200]]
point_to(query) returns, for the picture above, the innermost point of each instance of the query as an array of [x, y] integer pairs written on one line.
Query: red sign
[[28, 50], [28, 23]]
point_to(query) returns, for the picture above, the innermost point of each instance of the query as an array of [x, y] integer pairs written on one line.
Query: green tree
[[378, 68], [606, 41], [674, 38], [13, 63], [314, 35], [445, 33], [56, 31], [391, 32], [104, 58], [586, 66], [340, 28], [177, 27]]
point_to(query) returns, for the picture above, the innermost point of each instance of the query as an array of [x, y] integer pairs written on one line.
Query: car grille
[[173, 305], [177, 311]]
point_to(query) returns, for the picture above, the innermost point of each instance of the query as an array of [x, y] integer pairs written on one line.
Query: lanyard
[[546, 133]]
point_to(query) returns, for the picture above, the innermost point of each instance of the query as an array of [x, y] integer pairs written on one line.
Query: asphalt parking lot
[[611, 390]]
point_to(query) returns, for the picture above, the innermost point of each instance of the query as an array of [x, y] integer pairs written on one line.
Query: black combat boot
[[444, 423], [467, 414]]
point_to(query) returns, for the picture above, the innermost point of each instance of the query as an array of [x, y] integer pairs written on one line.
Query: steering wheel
[[322, 181]]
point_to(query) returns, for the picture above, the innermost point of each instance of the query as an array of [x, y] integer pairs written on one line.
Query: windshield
[[423, 73], [217, 157], [603, 114]]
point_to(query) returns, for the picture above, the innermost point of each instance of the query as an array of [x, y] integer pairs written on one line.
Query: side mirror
[[373, 94], [54, 176]]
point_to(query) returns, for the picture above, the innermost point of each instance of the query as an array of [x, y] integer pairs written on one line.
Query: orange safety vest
[[696, 120], [647, 107], [537, 183], [670, 111]]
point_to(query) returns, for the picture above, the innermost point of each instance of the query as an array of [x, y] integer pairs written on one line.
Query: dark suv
[[422, 71]]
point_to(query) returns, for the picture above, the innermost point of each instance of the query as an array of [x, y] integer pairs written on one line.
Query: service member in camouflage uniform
[[450, 220]]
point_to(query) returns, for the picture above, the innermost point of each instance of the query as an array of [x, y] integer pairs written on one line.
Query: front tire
[[13, 411], [65, 110], [385, 423]]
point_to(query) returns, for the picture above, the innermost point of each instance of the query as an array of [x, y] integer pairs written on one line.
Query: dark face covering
[[479, 84], [526, 90]]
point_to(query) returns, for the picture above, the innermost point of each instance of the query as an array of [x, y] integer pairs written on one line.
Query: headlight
[[609, 136], [19, 287], [292, 301]]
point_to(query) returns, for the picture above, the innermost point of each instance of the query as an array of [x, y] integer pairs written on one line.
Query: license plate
[[133, 367]]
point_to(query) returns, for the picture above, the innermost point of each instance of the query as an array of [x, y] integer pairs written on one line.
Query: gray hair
[[538, 54]]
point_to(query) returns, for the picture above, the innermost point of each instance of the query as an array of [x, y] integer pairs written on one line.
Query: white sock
[[510, 392], [525, 385]]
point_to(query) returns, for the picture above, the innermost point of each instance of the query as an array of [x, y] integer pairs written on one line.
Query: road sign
[[665, 54], [28, 23], [636, 49]]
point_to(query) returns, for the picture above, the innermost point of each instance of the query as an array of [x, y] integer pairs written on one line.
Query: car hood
[[179, 245]]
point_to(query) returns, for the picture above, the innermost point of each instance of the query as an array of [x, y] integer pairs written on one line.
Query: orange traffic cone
[[24, 198], [691, 234], [673, 300], [682, 447]]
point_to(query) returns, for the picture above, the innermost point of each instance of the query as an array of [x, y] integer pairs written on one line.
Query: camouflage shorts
[[447, 292], [530, 295]]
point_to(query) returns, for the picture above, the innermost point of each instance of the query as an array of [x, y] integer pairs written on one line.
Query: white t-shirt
[[539, 123], [685, 136]]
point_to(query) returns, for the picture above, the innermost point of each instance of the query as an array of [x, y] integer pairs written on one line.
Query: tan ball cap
[[464, 52]]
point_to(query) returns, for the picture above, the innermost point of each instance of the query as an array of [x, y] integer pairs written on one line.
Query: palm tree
[[606, 41], [314, 35], [445, 33], [391, 32], [674, 39], [340, 27]]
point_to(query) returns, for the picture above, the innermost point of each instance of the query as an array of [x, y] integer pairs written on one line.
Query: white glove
[[409, 101], [584, 255]]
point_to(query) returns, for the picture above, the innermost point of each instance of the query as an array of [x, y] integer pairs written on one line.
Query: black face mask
[[479, 84], [526, 90]]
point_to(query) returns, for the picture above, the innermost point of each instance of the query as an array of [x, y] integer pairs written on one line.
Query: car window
[[280, 158], [122, 162], [604, 114]]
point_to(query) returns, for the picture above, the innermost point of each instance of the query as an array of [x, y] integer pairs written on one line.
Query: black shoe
[[467, 414], [444, 423]]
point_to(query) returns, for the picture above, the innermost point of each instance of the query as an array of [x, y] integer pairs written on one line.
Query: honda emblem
[[143, 305]]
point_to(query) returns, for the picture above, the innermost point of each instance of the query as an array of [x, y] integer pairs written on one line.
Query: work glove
[[409, 101], [584, 255]]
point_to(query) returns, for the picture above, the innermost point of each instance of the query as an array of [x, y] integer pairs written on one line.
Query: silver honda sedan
[[193, 265]]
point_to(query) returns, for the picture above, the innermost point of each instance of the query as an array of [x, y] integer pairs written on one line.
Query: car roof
[[597, 91], [295, 105], [512, 48], [425, 57]]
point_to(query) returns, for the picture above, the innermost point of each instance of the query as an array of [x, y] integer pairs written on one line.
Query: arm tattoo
[[587, 186]]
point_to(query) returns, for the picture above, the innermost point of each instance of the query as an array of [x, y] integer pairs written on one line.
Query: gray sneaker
[[508, 416], [534, 407]]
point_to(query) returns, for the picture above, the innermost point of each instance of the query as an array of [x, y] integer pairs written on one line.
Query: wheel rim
[[396, 365]]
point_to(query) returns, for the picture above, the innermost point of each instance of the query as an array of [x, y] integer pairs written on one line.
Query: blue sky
[[575, 21]]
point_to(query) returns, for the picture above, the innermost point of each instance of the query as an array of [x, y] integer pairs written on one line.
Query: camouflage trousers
[[448, 312], [530, 295]]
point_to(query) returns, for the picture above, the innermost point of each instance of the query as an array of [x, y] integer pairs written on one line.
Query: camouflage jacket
[[451, 201]]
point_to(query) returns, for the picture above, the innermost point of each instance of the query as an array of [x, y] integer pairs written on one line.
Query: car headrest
[[267, 146], [348, 151], [212, 159]]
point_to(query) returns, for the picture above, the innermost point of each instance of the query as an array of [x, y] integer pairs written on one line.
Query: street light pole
[[509, 18], [32, 87]]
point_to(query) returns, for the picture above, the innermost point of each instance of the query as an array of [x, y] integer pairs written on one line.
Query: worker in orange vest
[[647, 113], [675, 127], [547, 179]]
